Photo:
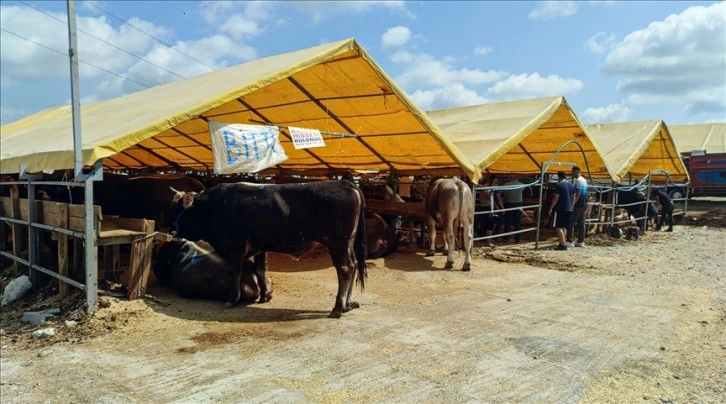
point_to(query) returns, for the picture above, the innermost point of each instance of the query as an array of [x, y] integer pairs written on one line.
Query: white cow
[[449, 204]]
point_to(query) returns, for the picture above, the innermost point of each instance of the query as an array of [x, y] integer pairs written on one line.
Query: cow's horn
[[174, 190]]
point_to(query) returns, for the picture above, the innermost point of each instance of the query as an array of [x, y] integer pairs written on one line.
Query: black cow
[[241, 220], [197, 272]]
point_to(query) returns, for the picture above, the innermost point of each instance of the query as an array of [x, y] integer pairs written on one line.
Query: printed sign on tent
[[240, 148], [304, 138]]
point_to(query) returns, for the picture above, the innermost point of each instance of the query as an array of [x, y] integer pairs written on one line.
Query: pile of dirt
[[71, 324], [712, 218]]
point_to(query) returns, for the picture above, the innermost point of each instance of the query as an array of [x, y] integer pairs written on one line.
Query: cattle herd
[[222, 233]]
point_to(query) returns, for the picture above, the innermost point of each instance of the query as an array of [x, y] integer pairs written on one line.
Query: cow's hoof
[[229, 305], [449, 265], [266, 297], [430, 254], [335, 314], [466, 267], [353, 305]]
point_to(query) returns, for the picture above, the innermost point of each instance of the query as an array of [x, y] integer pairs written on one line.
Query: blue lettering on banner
[[233, 149], [254, 145], [244, 144]]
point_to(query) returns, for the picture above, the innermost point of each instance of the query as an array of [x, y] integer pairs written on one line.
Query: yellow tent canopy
[[517, 137], [708, 136], [335, 87], [637, 148]]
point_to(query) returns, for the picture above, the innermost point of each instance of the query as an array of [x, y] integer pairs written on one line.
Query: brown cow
[[381, 237], [449, 204]]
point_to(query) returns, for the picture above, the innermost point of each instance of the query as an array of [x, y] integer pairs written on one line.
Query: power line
[[149, 35], [106, 42], [82, 61]]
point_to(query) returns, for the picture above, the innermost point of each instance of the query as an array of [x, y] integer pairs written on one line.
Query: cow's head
[[181, 201]]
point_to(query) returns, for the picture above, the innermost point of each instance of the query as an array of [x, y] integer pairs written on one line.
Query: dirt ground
[[617, 321]]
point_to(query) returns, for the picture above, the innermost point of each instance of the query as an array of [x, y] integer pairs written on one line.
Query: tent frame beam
[[125, 152], [301, 102], [539, 166], [119, 163], [198, 143], [178, 150], [340, 122], [160, 157]]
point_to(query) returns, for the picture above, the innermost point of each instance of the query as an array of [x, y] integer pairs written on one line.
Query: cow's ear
[[188, 199]]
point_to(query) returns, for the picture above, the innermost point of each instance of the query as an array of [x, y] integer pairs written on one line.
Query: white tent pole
[[75, 98]]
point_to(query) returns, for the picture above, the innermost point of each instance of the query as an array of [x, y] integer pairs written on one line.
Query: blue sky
[[613, 61]]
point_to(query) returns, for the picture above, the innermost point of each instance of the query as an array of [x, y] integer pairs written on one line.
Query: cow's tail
[[361, 247]]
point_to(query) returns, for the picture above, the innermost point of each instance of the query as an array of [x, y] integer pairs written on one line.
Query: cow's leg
[[432, 236], [235, 262], [450, 237], [346, 273], [349, 304], [262, 279], [468, 245], [250, 287]]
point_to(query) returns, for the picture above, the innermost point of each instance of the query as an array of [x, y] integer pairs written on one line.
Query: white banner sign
[[304, 138], [240, 148]]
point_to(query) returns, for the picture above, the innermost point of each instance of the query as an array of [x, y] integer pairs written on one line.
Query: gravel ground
[[617, 321]]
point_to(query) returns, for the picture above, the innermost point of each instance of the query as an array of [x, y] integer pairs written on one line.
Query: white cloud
[[600, 42], [681, 59], [533, 86], [453, 95], [322, 10], [482, 50], [549, 10], [422, 71], [395, 37], [212, 49], [98, 43], [612, 113], [121, 50], [214, 11], [250, 21]]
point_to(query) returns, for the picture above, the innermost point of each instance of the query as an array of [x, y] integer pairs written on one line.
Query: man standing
[[486, 223], [578, 212], [666, 209], [513, 199], [562, 206]]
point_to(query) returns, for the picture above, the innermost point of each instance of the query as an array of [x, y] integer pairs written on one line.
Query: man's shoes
[[670, 229], [561, 247], [580, 244], [569, 244]]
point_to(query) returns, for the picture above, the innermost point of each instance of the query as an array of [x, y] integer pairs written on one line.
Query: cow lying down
[[194, 270], [381, 236]]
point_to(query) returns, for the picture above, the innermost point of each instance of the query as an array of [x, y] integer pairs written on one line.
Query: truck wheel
[[676, 194]]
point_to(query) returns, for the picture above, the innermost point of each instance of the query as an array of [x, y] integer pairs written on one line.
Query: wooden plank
[[4, 209], [6, 203], [409, 209], [52, 212], [18, 230], [115, 222], [77, 217], [140, 262], [62, 221]]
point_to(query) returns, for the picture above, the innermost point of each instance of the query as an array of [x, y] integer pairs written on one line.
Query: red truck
[[707, 172]]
